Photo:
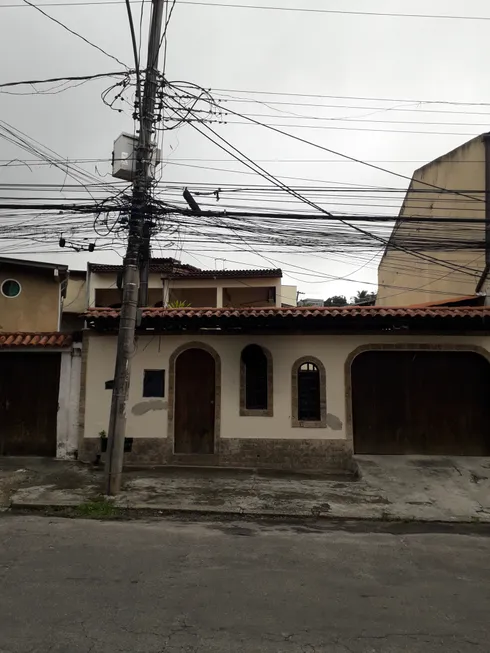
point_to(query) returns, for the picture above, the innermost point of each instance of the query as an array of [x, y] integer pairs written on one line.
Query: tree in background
[[336, 300], [363, 297]]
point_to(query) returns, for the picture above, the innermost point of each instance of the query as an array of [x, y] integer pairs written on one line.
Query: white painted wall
[[153, 352], [68, 403]]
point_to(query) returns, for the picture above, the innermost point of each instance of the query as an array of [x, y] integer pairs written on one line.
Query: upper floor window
[[10, 288], [308, 393], [255, 381]]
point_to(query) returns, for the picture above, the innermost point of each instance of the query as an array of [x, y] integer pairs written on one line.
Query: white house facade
[[300, 388]]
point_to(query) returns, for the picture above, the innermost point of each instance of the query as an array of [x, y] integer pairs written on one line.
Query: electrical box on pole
[[124, 157]]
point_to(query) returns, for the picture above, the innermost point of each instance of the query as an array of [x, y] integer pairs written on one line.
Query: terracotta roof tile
[[309, 312], [177, 270], [156, 265], [51, 340], [229, 274]]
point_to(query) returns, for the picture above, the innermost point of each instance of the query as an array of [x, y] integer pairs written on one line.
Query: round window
[[10, 288]]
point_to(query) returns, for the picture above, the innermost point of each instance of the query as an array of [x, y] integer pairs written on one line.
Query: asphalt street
[[76, 586]]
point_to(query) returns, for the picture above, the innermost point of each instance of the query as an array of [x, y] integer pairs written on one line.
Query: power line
[[272, 8], [326, 278], [356, 97], [336, 218], [333, 11], [55, 20], [276, 182], [376, 109], [63, 79], [366, 120], [412, 161], [173, 161], [356, 129], [340, 154]]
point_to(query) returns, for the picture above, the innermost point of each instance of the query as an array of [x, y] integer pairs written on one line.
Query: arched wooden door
[[195, 401]]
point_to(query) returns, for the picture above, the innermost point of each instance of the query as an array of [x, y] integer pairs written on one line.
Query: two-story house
[[172, 283], [39, 364]]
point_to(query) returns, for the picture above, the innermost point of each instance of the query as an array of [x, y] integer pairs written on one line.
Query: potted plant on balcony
[[178, 303]]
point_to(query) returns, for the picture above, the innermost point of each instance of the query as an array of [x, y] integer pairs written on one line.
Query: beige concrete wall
[[76, 294], [153, 352], [37, 308], [289, 295], [406, 279]]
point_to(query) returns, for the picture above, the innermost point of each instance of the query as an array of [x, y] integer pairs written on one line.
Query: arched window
[[308, 393], [255, 382]]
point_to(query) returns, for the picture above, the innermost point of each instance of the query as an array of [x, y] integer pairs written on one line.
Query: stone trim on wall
[[408, 346], [302, 455], [269, 411], [217, 392], [295, 422]]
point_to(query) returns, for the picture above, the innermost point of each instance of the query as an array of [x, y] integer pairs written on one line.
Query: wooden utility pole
[[137, 232]]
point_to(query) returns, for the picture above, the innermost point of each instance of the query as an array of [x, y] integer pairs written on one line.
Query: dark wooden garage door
[[29, 385], [421, 402]]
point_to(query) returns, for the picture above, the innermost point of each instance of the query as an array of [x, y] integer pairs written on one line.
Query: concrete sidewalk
[[390, 488]]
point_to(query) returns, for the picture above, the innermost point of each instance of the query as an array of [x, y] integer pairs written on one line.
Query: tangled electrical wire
[[242, 223], [118, 91], [179, 106], [177, 102]]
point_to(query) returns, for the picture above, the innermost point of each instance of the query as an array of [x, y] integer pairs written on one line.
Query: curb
[[171, 511], [388, 523]]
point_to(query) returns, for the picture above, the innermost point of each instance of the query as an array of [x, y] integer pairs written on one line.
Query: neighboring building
[[173, 282], [39, 365], [31, 295], [295, 388], [308, 301], [456, 269]]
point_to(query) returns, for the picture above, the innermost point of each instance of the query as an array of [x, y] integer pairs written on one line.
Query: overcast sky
[[238, 50]]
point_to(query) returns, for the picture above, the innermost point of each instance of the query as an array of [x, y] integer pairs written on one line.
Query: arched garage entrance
[[421, 402]]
